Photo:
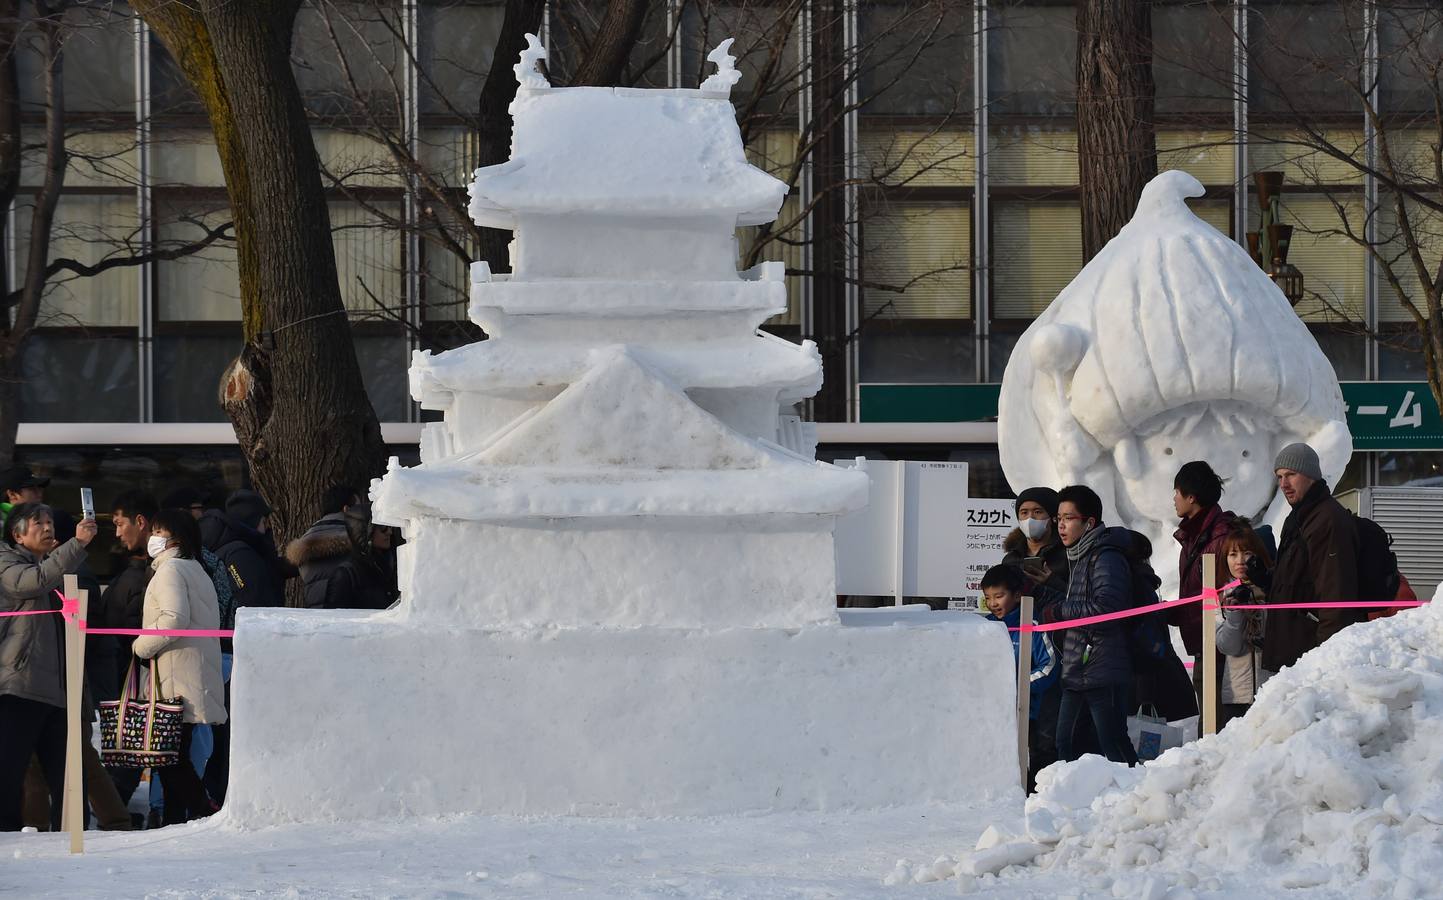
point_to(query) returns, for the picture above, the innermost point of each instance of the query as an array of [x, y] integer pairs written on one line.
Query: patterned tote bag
[[140, 733]]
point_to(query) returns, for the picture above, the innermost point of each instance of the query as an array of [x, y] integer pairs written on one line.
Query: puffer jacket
[[1100, 582], [32, 648], [182, 596], [1198, 536], [324, 548], [1317, 561]]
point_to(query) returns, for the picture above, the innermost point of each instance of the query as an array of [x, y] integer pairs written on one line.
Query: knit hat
[[1045, 497], [1301, 459], [246, 507]]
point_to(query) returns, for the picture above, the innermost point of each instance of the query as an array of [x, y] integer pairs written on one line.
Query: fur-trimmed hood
[[1016, 542], [325, 540]]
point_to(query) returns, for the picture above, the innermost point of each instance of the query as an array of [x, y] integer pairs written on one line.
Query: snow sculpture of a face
[[1171, 345]]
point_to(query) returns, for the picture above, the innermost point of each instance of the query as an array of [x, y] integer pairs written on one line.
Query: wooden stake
[[1209, 648], [1024, 685], [73, 806]]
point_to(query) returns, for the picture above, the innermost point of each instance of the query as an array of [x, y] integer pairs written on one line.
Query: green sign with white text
[[1382, 415], [1392, 415]]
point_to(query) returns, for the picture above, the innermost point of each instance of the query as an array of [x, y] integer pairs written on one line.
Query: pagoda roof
[[622, 441], [624, 153]]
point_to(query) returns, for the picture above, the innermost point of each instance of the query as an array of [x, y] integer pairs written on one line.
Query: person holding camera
[[1240, 631], [32, 654]]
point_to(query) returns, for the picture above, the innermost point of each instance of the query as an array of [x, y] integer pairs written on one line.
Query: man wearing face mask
[[1033, 547]]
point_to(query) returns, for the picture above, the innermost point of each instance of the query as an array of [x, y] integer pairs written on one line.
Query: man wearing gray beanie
[[1317, 561]]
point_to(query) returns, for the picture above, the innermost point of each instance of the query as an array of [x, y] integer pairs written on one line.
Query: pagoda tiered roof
[[624, 153]]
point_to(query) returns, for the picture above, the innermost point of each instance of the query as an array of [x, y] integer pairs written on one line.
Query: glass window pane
[[1427, 237], [1410, 44], [918, 157], [205, 286], [765, 47], [98, 62], [446, 275], [368, 258], [915, 58], [782, 242], [88, 228], [348, 57], [1036, 251], [916, 261], [1032, 60], [185, 156], [458, 40], [71, 377], [384, 359], [1332, 263], [912, 351], [1192, 47], [188, 369], [1304, 57]]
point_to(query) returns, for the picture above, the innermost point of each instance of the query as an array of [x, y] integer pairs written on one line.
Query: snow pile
[[1334, 778]]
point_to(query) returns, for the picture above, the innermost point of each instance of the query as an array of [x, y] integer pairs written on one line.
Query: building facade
[[931, 148]]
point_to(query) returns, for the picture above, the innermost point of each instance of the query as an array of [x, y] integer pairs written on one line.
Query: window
[[205, 286], [1332, 263], [348, 57], [915, 58], [89, 228], [765, 46], [368, 259], [98, 62], [70, 376], [1192, 64], [1427, 229], [1032, 57], [916, 263], [1410, 44], [1036, 251], [188, 367], [457, 43], [783, 243], [1304, 58]]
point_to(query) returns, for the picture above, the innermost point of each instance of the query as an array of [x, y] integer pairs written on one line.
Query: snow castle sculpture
[[1170, 345], [618, 588]]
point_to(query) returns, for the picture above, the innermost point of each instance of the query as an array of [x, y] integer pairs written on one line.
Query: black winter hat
[[246, 507], [1045, 497]]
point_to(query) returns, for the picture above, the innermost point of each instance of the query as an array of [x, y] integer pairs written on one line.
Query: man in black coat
[[1097, 671]]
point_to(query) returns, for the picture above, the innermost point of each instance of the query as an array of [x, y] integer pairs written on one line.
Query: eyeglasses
[[1061, 519]]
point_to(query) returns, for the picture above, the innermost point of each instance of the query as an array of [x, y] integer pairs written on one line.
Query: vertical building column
[[1240, 122], [673, 51], [832, 257], [144, 273], [981, 203], [805, 187], [852, 151], [410, 25], [1370, 188]]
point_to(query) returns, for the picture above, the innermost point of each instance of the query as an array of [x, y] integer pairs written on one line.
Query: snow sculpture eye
[[1246, 454], [1168, 451]]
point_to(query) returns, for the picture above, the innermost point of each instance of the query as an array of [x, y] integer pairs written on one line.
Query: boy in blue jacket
[[1002, 595]]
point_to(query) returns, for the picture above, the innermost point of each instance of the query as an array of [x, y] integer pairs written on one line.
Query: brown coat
[[1317, 562], [1197, 536]]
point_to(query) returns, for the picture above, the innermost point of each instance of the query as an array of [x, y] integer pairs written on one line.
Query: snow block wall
[[1170, 345], [618, 588]]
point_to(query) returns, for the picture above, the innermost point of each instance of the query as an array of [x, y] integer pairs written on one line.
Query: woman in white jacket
[[181, 596]]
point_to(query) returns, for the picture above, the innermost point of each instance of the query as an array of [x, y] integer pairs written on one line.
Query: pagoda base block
[[350, 716]]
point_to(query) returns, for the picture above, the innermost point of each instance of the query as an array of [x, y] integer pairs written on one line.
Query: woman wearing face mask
[[1034, 539], [1240, 631], [181, 596]]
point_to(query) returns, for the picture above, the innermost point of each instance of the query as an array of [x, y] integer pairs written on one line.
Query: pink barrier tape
[[1126, 613], [28, 612], [160, 632], [1339, 604]]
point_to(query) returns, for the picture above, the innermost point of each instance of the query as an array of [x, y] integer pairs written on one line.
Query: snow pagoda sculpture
[[618, 586], [1170, 345]]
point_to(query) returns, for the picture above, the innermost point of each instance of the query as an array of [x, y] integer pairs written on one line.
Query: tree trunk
[[1116, 143], [522, 17], [611, 49], [295, 394]]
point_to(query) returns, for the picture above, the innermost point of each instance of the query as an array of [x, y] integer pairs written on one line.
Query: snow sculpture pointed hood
[[1171, 329]]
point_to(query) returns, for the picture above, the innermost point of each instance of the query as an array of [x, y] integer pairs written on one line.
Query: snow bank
[[612, 722], [1334, 778]]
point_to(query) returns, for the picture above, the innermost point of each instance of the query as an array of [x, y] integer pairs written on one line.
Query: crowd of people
[[1089, 679], [178, 564]]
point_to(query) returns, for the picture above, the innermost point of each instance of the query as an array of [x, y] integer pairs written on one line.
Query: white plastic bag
[[1151, 735]]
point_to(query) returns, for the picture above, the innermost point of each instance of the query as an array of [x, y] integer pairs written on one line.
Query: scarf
[[1079, 550], [1293, 524]]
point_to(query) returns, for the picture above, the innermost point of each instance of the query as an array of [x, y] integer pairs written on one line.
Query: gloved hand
[[1259, 574], [1237, 596]]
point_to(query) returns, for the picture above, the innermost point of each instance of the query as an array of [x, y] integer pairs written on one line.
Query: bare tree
[[792, 116], [295, 394], [50, 30]]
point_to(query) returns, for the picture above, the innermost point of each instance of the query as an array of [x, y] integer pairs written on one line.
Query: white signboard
[[905, 542], [985, 526]]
